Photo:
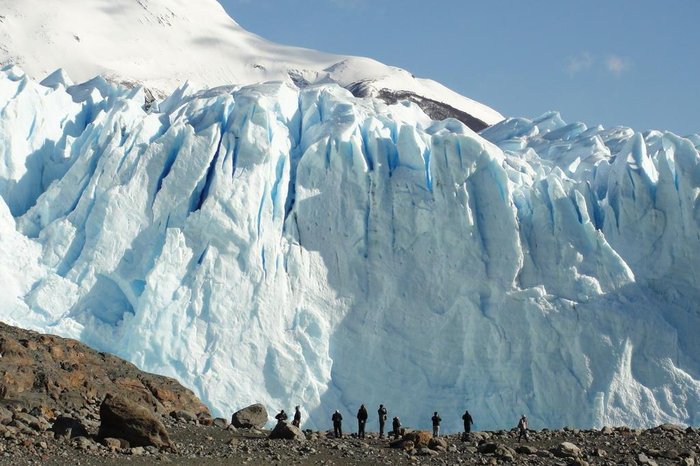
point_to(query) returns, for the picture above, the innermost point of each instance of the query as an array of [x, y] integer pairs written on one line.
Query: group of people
[[362, 416], [383, 414]]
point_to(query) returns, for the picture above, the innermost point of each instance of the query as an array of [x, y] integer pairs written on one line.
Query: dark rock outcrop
[[123, 419]]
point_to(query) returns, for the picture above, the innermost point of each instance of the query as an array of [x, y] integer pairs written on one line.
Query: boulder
[[487, 448], [285, 431], [419, 438], [220, 423], [182, 415], [65, 426], [566, 450], [121, 418], [5, 415], [438, 444], [253, 416]]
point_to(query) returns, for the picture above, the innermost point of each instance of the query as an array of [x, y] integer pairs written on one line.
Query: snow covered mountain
[[320, 240], [267, 243], [163, 43]]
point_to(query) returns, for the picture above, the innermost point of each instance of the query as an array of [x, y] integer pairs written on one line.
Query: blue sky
[[611, 62]]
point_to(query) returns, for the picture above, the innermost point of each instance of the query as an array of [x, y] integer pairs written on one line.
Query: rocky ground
[[62, 403], [219, 444]]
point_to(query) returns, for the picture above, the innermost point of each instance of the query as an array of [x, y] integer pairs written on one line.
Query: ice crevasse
[[303, 246]]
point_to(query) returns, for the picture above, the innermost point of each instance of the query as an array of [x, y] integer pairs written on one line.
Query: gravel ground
[[210, 445]]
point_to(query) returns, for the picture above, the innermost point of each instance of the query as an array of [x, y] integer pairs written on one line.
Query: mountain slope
[[163, 43], [304, 246]]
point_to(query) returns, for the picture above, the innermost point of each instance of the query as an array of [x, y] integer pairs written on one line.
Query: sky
[[611, 62]]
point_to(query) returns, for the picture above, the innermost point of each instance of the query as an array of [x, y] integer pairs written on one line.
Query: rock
[[437, 444], [286, 431], [577, 462], [566, 450], [504, 453], [607, 430], [479, 436], [670, 428], [526, 450], [253, 416], [183, 415], [205, 420], [5, 415], [121, 418], [419, 438], [137, 451], [65, 426], [84, 443], [112, 443], [687, 462], [487, 448], [425, 451], [220, 422]]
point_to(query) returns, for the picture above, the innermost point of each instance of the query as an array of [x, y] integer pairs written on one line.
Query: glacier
[[272, 244]]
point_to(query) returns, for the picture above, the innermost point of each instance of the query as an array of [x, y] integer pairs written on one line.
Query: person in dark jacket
[[436, 424], [281, 417], [468, 421], [297, 417], [396, 425], [382, 413], [337, 419], [361, 421]]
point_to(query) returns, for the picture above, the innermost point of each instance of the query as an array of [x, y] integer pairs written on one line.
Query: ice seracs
[[304, 246]]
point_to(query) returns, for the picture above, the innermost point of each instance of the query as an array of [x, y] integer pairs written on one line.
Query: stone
[[504, 453], [220, 422], [253, 416], [5, 415], [65, 426], [607, 430], [183, 415], [687, 461], [425, 451], [670, 428], [566, 450], [137, 451], [526, 450], [112, 443], [121, 418], [286, 431], [84, 443], [487, 448], [419, 438], [437, 444]]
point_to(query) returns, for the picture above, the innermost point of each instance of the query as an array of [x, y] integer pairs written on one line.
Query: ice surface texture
[[307, 247]]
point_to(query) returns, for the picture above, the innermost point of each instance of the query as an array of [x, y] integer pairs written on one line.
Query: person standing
[[297, 417], [468, 421], [361, 421], [382, 413], [281, 416], [396, 425], [337, 419], [436, 424], [522, 428]]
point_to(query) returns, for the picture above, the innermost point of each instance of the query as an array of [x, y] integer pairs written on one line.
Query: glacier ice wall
[[307, 247]]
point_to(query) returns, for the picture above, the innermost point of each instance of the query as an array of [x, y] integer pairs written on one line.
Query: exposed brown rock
[[53, 373]]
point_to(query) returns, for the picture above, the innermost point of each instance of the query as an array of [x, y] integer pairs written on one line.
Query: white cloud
[[585, 61], [581, 62], [617, 65]]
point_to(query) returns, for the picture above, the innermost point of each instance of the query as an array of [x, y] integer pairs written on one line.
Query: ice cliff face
[[308, 247]]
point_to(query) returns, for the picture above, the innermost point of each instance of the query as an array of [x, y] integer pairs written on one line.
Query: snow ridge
[[266, 243]]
